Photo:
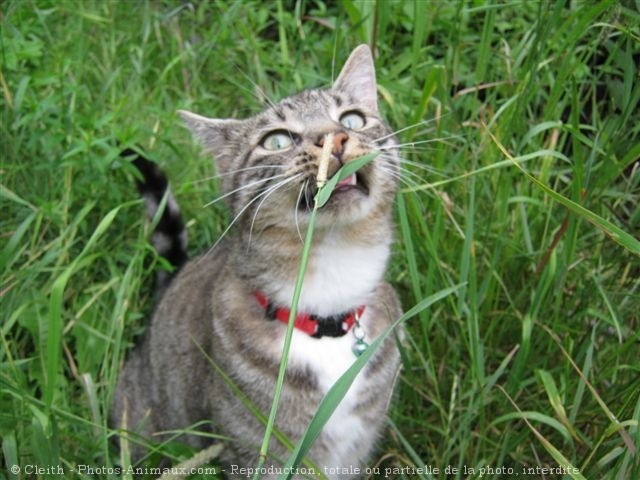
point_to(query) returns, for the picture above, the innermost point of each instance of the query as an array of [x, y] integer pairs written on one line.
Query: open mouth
[[349, 182], [354, 183]]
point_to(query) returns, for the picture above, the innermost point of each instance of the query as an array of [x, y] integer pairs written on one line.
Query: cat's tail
[[170, 235]]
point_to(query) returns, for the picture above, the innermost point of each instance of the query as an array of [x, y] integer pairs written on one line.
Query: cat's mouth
[[354, 184]]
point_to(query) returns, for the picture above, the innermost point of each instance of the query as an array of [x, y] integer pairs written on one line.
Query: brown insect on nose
[[339, 139]]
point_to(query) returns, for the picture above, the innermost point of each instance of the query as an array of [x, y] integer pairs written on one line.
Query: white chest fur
[[329, 358], [339, 277]]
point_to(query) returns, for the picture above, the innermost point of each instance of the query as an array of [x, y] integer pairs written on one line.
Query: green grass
[[534, 361]]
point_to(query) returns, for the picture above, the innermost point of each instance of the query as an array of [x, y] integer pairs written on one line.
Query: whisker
[[388, 161], [409, 127], [248, 185], [418, 142], [261, 95], [430, 130], [266, 194], [235, 219], [409, 148], [399, 173], [424, 167], [233, 172], [400, 177], [409, 176]]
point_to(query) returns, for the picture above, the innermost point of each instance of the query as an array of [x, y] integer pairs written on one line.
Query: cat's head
[[269, 163]]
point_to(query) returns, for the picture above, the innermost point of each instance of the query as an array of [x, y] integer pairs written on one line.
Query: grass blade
[[53, 330], [617, 234], [610, 415], [339, 389], [570, 469], [349, 168], [323, 195]]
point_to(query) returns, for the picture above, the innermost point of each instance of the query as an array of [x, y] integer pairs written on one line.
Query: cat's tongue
[[347, 182]]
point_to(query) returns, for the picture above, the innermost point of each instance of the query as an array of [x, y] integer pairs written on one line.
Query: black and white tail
[[170, 236]]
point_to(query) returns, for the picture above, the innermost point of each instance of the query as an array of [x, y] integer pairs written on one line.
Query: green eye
[[352, 120], [277, 140]]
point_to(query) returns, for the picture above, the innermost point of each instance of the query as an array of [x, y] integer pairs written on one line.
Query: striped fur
[[208, 314], [170, 235]]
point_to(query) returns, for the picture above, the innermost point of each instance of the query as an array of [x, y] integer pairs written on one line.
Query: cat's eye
[[278, 140], [352, 120]]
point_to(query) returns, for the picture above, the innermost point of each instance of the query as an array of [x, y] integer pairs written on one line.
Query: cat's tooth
[[350, 180]]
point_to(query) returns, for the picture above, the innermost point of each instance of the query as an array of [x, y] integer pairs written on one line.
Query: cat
[[223, 304]]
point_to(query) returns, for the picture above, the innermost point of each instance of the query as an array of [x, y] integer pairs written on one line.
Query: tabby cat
[[231, 303]]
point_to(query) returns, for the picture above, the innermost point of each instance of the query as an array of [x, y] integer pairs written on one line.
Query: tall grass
[[532, 363]]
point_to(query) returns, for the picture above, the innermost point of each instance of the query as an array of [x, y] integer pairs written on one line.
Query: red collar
[[334, 326]]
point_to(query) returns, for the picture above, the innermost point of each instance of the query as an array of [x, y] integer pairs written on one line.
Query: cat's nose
[[339, 139]]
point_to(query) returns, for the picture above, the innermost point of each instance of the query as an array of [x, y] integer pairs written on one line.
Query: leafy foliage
[[532, 362]]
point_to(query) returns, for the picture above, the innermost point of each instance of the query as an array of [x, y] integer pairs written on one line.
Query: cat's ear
[[358, 78], [217, 135]]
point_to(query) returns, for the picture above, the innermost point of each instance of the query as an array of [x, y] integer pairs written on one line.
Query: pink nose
[[339, 139]]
